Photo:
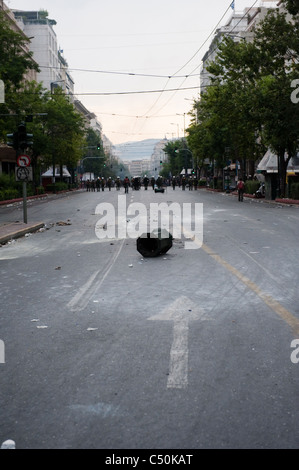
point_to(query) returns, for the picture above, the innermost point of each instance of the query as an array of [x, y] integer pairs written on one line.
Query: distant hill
[[141, 150]]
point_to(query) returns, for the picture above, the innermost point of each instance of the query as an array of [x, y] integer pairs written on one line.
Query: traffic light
[[98, 146], [161, 163], [13, 140], [29, 142], [22, 136]]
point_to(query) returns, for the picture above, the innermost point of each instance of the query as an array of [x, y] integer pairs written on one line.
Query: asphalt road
[[106, 349]]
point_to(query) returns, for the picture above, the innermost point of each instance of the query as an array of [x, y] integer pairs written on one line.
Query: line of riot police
[[136, 183]]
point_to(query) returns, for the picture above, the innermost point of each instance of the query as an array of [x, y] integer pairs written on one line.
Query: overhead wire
[[178, 71], [192, 72]]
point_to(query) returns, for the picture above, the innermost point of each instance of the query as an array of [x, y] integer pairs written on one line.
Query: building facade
[[240, 26], [7, 154], [43, 43]]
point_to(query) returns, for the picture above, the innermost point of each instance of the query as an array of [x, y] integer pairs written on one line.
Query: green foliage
[[248, 107], [219, 185], [9, 188], [179, 157], [8, 194], [251, 186], [63, 132], [93, 158], [59, 186], [40, 190], [292, 6], [14, 60]]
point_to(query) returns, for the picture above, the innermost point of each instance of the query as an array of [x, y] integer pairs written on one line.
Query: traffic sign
[[24, 161], [24, 174]]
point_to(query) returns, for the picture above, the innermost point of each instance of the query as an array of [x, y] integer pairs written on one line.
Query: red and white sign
[[23, 161]]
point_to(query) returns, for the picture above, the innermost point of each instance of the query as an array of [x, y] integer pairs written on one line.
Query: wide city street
[[194, 349]]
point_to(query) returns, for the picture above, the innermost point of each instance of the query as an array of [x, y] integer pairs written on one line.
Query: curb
[[293, 202], [17, 230], [37, 196], [13, 201]]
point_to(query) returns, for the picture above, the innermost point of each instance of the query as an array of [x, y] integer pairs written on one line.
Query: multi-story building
[[7, 154], [158, 158], [240, 26], [8, 14], [43, 43], [138, 167]]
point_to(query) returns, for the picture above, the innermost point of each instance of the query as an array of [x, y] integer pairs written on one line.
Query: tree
[[248, 106], [178, 158], [15, 61], [64, 132], [292, 6], [277, 42], [233, 72], [94, 156]]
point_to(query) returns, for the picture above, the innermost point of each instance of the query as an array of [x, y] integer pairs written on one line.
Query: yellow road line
[[282, 312]]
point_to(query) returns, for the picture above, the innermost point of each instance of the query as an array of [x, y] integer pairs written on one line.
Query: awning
[[268, 164], [49, 172]]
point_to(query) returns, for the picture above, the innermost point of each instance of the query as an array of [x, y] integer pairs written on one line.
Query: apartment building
[[7, 154], [240, 26], [8, 15], [43, 43], [158, 157]]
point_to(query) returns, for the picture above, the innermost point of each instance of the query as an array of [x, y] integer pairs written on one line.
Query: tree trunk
[[282, 173]]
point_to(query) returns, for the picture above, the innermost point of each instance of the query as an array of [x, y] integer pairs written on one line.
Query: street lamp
[[53, 153], [176, 124], [184, 120]]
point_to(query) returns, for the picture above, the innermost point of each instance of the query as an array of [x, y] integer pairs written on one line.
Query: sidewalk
[[286, 201], [11, 231]]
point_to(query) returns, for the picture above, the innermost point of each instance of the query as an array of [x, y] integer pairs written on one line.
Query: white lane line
[[81, 299]]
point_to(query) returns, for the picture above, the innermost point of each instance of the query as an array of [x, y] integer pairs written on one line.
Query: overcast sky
[[157, 37]]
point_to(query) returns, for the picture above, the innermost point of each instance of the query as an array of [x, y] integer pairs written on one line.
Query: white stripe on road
[[178, 366], [81, 299]]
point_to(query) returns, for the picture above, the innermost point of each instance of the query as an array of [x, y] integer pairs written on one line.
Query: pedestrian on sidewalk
[[240, 188]]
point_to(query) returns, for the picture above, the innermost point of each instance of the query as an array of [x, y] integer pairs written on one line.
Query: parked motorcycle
[[260, 192]]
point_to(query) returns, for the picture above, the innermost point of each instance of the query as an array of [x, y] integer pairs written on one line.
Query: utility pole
[[19, 140]]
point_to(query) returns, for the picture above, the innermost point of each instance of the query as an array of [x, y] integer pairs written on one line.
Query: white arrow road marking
[[181, 312], [8, 444]]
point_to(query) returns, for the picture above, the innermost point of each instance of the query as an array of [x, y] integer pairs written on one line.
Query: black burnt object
[[154, 243]]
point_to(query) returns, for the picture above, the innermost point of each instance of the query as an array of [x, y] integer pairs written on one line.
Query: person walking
[[240, 188], [126, 184]]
